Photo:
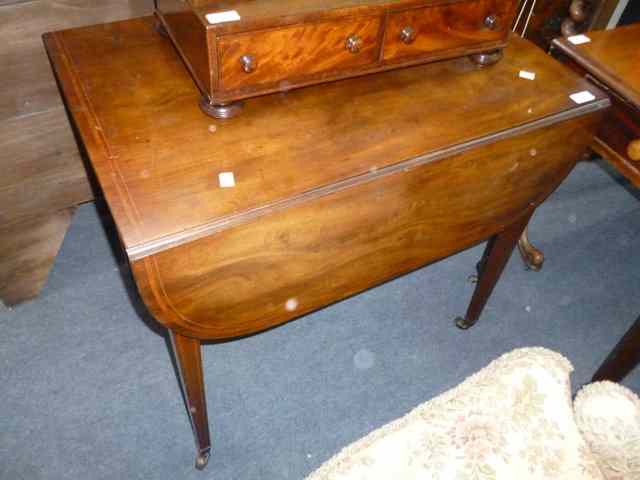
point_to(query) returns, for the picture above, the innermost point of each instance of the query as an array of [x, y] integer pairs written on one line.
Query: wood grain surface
[[42, 171], [615, 135], [33, 123], [335, 188], [295, 52], [273, 13], [611, 61], [612, 57], [296, 44], [28, 249], [45, 173], [158, 157], [445, 27], [28, 85], [277, 267]]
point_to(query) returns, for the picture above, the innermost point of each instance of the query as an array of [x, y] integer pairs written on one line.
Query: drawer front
[[306, 255], [267, 57], [618, 140], [432, 29], [621, 131]]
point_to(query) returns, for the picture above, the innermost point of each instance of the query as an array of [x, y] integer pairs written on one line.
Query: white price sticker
[[226, 179], [527, 75], [222, 17], [582, 97], [579, 39]]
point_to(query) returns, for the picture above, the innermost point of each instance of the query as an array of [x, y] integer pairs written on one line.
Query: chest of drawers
[[244, 48]]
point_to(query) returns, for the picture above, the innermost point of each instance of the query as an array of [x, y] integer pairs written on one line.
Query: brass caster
[[462, 323], [220, 110], [202, 459], [484, 59], [161, 29]]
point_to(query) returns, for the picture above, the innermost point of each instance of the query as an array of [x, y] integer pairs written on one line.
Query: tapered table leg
[[495, 258], [623, 358], [189, 361], [532, 257]]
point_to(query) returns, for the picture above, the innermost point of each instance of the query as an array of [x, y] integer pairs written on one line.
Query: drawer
[[270, 56], [423, 30], [621, 132]]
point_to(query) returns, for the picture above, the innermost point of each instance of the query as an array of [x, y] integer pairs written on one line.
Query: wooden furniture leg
[[495, 258], [531, 256], [28, 248], [189, 363], [623, 358]]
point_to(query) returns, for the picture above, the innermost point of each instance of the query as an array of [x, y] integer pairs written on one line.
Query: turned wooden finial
[[577, 21], [579, 10], [568, 27]]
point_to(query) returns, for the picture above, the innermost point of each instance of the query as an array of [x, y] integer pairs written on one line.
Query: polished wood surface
[[611, 60], [188, 357], [167, 192], [337, 188], [616, 139], [292, 44], [280, 54], [332, 244], [438, 28], [494, 259], [611, 57], [42, 170]]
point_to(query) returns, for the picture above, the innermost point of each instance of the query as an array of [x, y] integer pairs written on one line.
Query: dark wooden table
[[336, 188], [611, 59]]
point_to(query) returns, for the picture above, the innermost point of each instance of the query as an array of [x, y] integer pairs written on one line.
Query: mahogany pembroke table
[[235, 226]]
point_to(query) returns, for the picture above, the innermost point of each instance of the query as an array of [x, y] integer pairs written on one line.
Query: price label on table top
[[582, 97], [527, 75], [226, 179], [222, 17], [578, 39]]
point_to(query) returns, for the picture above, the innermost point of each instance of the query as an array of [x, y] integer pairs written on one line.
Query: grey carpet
[[87, 389]]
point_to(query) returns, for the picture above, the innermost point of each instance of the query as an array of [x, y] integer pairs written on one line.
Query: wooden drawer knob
[[248, 63], [633, 150], [353, 43], [579, 11], [491, 22], [408, 35]]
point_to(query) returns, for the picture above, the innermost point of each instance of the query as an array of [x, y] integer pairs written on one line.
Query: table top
[[158, 158], [613, 56]]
